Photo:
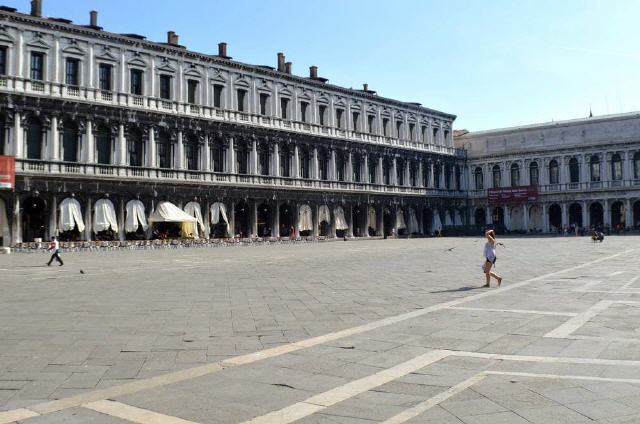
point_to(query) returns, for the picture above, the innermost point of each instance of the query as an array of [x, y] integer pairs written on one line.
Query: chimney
[[36, 8], [365, 87], [280, 62], [172, 38], [93, 18], [287, 68], [313, 72], [222, 50]]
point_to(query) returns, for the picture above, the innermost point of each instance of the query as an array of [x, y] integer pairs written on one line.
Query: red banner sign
[[502, 195], [7, 172]]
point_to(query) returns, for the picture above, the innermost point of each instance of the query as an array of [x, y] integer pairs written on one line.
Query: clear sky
[[493, 63]]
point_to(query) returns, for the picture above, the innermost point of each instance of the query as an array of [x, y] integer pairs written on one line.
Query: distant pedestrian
[[490, 257], [54, 247]]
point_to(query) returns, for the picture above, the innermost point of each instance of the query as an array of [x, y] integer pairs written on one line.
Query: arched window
[[323, 165], [497, 176], [478, 178], [515, 175], [616, 167], [285, 161], [534, 176], [372, 163], [264, 159], [356, 164], [103, 145], [386, 172], [574, 170], [636, 166], [70, 142], [34, 139], [437, 168], [426, 173], [594, 168], [191, 152], [242, 158], [447, 176], [305, 163], [340, 164], [135, 147], [165, 150], [400, 172], [554, 177]]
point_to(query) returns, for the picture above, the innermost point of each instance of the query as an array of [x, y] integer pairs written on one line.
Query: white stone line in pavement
[[422, 407], [616, 273], [630, 283], [516, 311], [578, 321], [16, 415], [588, 285], [132, 413], [331, 397], [176, 376], [546, 359]]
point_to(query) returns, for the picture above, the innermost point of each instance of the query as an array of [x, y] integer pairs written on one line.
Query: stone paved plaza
[[393, 331]]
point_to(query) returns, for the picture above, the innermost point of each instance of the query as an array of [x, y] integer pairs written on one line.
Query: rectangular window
[[385, 127], [104, 77], [355, 116], [242, 94], [37, 66], [412, 129], [370, 123], [322, 111], [284, 107], [3, 60], [72, 72], [165, 87], [424, 133], [136, 82], [399, 129], [304, 106], [435, 136], [192, 91], [339, 113], [217, 95], [264, 101]]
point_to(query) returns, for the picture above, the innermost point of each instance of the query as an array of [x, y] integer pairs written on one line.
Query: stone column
[[380, 172], [349, 172], [545, 218], [394, 225], [333, 170], [54, 152], [16, 228], [232, 219], [364, 170], [432, 171], [206, 217], [420, 176], [584, 170], [276, 160], [179, 152], [565, 216], [122, 146], [487, 217], [316, 219], [441, 178], [349, 218], [231, 159], [151, 148], [607, 212], [314, 164], [275, 231], [507, 217], [206, 155], [367, 224], [380, 221], [121, 211], [53, 216], [407, 174], [254, 158], [296, 162], [525, 216], [18, 144], [89, 145], [394, 172], [585, 215], [254, 218], [628, 213], [88, 221]]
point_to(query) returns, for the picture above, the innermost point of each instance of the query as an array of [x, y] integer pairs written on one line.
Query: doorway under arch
[[286, 220], [264, 220], [617, 214], [34, 219], [241, 219], [596, 215], [555, 216], [575, 215]]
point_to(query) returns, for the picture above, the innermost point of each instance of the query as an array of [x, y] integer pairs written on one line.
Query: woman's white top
[[489, 251]]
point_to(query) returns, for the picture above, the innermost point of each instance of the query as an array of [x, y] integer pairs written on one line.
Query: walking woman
[[490, 257]]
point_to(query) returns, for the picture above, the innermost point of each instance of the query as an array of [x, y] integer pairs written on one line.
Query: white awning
[[70, 215], [135, 216], [437, 223], [341, 223], [4, 225], [193, 209], [168, 212], [104, 216], [324, 214], [400, 224], [413, 226], [447, 219], [373, 223], [218, 211], [305, 218], [457, 219]]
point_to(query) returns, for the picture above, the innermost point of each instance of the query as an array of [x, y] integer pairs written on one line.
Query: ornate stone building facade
[[586, 173], [98, 118]]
